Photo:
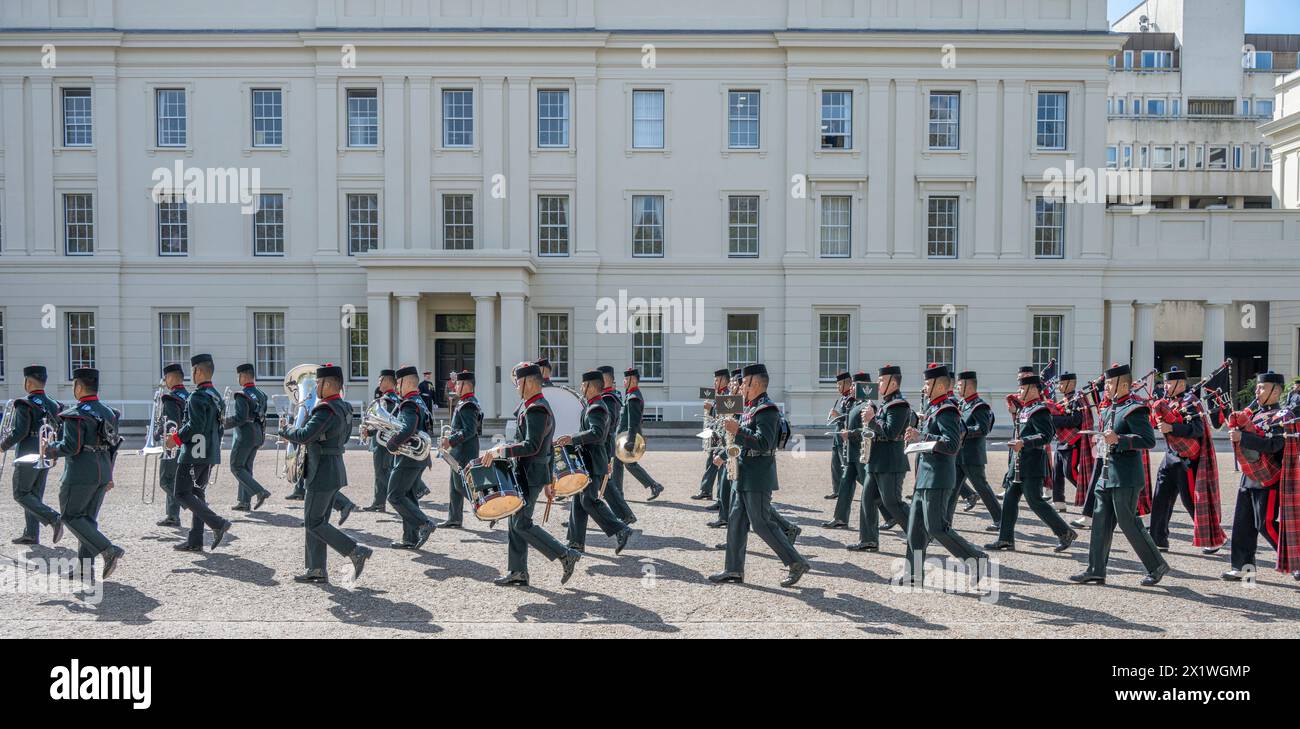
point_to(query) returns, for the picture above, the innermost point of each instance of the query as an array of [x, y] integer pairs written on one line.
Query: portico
[[422, 305]]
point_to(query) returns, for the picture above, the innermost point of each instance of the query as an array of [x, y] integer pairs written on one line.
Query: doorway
[[451, 355]]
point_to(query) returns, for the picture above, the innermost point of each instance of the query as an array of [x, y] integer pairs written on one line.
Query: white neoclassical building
[[836, 183]]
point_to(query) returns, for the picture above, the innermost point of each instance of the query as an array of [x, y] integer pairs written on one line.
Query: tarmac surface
[[656, 588]]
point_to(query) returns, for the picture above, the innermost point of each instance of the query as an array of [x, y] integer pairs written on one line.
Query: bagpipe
[[1173, 413], [1256, 466]]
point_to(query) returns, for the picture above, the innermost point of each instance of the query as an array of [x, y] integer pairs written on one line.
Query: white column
[[1212, 344], [512, 345], [585, 120], [40, 153], [13, 136], [878, 187], [986, 170], [1119, 329], [519, 126], [408, 330], [1014, 142], [905, 92], [1093, 141], [485, 362], [106, 166], [379, 318], [420, 195], [395, 187], [328, 144], [493, 149], [1144, 337], [797, 140]]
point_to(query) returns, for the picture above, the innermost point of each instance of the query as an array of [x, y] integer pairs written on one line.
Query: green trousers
[[1032, 490], [1119, 507], [80, 506], [320, 532], [455, 498], [754, 509], [401, 494], [525, 533], [850, 476], [383, 462], [29, 492], [973, 473], [242, 456], [928, 519], [881, 492], [167, 482], [588, 503]]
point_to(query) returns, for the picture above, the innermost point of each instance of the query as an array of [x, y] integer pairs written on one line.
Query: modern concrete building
[[836, 184]]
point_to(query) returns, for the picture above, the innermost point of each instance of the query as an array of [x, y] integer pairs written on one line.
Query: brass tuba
[[156, 448], [300, 389], [376, 419]]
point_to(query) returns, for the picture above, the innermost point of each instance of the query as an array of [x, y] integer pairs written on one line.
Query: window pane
[[363, 223], [837, 120], [553, 225], [648, 119], [942, 227], [742, 225], [173, 338], [1051, 120], [647, 225], [173, 228], [1047, 341], [458, 118], [363, 117], [268, 118], [1049, 228], [268, 344], [945, 116], [742, 340], [268, 226], [171, 118], [78, 126], [553, 343], [359, 347], [81, 341], [836, 226], [79, 224], [742, 119], [832, 346], [940, 340], [458, 222], [648, 346], [553, 118]]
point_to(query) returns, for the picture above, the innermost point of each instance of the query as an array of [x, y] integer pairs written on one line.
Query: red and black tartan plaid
[[1288, 538], [1144, 499], [1207, 519], [1164, 410], [1084, 459], [1266, 468]]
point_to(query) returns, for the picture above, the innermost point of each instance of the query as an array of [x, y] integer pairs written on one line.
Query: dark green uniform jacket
[[614, 404], [938, 468], [888, 425], [249, 419], [466, 427], [979, 419], [388, 401], [415, 419], [173, 404], [89, 442], [629, 420], [325, 436], [29, 414], [853, 423], [532, 453], [200, 428], [592, 438], [760, 427], [1037, 433], [1131, 421]]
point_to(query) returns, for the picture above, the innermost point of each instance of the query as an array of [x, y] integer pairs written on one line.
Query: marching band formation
[[577, 445]]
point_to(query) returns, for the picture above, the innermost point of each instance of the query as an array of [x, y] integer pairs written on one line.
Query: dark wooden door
[[453, 355]]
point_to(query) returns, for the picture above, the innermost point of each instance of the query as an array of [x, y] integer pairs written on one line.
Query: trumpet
[[38, 461], [385, 425]]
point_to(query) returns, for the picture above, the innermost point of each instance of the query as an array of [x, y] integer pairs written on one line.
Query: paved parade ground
[[657, 587]]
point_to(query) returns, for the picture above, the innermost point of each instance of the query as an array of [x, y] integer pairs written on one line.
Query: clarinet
[[1015, 459], [1109, 451]]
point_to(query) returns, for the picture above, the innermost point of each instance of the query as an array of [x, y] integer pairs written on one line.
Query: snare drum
[[496, 496], [569, 474]]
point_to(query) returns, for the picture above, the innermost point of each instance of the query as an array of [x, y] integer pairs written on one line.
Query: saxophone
[[733, 453]]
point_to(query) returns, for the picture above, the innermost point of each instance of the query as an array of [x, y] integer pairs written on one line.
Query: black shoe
[[970, 502], [720, 546], [169, 522], [835, 524], [219, 534], [261, 499], [25, 540], [1162, 549], [112, 556], [1001, 545], [701, 496], [58, 531], [423, 535], [1066, 541], [723, 578], [359, 557], [402, 545], [374, 507], [1233, 575], [312, 577], [577, 547], [993, 528], [187, 547], [241, 507], [716, 524], [831, 497], [715, 506], [793, 533], [797, 570], [863, 547], [655, 490], [512, 578], [890, 524], [1154, 578], [1211, 550], [1084, 578], [1296, 575], [568, 561], [345, 512], [622, 538], [450, 525], [296, 496]]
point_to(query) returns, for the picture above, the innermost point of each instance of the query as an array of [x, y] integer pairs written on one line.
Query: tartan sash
[[1288, 538], [1084, 459], [1164, 410], [1261, 467], [1144, 499], [1207, 520]]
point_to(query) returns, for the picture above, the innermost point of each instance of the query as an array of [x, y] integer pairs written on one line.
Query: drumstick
[[546, 515], [601, 494]]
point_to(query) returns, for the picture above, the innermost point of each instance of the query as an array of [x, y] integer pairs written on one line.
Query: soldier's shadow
[[1069, 615], [272, 519], [119, 603], [642, 542], [663, 569], [1253, 610], [852, 608], [572, 606], [363, 606], [445, 567], [230, 567]]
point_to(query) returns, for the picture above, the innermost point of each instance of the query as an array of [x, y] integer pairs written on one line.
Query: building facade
[[831, 185]]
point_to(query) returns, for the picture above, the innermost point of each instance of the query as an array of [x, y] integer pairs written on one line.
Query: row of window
[[1234, 157], [1251, 60], [835, 231], [553, 339], [1172, 107], [554, 114]]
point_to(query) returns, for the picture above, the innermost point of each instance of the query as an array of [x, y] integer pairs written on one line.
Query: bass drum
[[568, 472]]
